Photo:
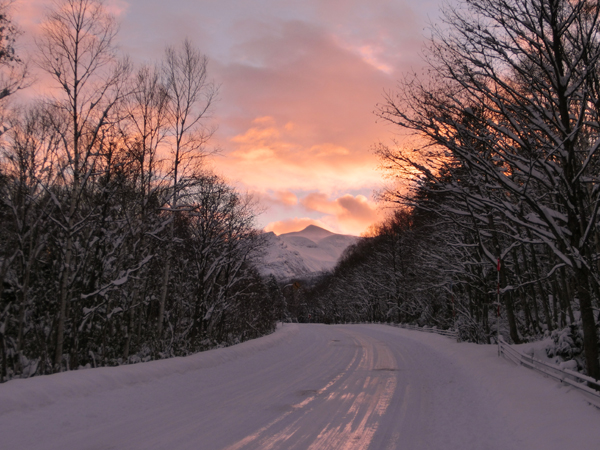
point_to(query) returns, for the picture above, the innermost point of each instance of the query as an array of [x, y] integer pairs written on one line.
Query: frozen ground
[[304, 387]]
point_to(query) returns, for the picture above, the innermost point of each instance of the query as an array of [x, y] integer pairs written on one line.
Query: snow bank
[[542, 412], [23, 394]]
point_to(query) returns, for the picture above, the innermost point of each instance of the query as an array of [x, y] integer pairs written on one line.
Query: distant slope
[[303, 253]]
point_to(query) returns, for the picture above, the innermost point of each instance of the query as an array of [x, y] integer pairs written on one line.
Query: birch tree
[[76, 49], [190, 96]]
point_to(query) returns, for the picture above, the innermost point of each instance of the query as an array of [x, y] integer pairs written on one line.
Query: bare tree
[[146, 123], [76, 49], [145, 127], [190, 97], [514, 103], [13, 70]]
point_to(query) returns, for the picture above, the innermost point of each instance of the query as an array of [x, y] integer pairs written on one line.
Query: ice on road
[[304, 387]]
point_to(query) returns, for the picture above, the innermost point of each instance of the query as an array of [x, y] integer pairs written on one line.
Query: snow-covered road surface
[[304, 387]]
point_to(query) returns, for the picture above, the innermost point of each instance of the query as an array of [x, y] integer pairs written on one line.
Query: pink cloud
[[348, 213], [304, 96], [282, 198], [299, 82]]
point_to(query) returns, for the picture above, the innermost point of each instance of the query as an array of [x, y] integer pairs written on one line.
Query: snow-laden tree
[[389, 276], [28, 166], [512, 103], [117, 246], [76, 49]]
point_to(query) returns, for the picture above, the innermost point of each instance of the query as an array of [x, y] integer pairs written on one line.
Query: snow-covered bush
[[567, 343], [470, 330]]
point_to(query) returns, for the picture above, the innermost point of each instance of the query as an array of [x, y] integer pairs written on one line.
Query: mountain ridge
[[303, 253]]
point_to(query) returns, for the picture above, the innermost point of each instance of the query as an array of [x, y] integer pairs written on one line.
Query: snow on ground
[[305, 386], [537, 350]]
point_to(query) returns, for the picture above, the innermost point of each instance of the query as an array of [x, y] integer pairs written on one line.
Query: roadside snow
[[32, 393], [541, 412], [305, 386]]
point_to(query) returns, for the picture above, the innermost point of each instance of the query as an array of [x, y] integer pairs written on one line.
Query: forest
[[118, 245], [495, 189]]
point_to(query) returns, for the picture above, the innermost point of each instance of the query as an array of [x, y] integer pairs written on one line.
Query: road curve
[[320, 387], [365, 387]]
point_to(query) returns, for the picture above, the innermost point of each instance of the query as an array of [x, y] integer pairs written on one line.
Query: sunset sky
[[299, 80]]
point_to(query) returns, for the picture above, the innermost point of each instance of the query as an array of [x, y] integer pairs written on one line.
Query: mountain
[[303, 253]]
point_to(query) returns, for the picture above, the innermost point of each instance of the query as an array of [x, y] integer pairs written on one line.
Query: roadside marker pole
[[498, 305]]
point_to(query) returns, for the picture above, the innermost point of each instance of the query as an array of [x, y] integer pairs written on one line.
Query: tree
[[190, 96], [28, 165], [76, 50], [13, 71], [513, 101]]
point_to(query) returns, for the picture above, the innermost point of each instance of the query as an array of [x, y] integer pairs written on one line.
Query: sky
[[299, 83]]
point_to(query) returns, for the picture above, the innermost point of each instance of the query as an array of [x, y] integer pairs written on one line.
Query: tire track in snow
[[256, 436], [343, 414], [312, 386], [372, 402]]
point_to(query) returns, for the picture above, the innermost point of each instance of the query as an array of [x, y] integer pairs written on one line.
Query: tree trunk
[[163, 291], [64, 288], [508, 302], [590, 338], [543, 294], [567, 292]]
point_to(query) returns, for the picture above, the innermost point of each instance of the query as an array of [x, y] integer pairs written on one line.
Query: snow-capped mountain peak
[[312, 232], [303, 253]]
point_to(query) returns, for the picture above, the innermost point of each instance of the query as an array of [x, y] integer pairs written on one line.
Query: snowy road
[[305, 387]]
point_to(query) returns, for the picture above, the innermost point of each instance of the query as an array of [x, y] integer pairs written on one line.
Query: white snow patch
[[303, 253]]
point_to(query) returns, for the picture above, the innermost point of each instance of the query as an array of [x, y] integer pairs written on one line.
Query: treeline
[[504, 169], [398, 272], [117, 245]]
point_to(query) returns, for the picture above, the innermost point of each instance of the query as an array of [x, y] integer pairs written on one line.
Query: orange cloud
[[356, 206], [347, 213], [279, 198], [320, 203], [269, 156], [287, 198]]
